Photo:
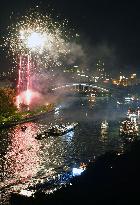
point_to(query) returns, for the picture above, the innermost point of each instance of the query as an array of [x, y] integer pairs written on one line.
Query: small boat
[[129, 129], [104, 125], [23, 128], [40, 136]]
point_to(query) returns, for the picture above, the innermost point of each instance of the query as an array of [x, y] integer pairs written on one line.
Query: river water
[[24, 160]]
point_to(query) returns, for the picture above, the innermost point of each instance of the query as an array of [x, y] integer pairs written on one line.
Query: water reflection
[[24, 158], [68, 137], [104, 135], [55, 151], [21, 159]]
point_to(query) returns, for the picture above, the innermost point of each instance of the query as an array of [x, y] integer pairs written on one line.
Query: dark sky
[[114, 23]]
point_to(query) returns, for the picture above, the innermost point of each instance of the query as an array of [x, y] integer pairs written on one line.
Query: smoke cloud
[[85, 56]]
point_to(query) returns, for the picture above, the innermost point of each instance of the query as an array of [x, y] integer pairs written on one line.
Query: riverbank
[[20, 118], [112, 179]]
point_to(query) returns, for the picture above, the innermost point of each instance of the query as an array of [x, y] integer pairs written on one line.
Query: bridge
[[82, 88]]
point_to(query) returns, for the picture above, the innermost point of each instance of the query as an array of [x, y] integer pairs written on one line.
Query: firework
[[38, 35], [35, 40]]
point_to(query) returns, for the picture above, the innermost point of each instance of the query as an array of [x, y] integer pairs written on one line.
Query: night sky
[[111, 24]]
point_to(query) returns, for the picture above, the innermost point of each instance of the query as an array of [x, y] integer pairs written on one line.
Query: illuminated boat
[[129, 128], [57, 130], [78, 171], [104, 125], [61, 129]]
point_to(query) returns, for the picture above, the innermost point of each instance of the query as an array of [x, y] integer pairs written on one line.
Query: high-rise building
[[100, 70]]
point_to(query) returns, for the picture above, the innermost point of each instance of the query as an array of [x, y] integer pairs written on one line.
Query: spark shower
[[35, 42]]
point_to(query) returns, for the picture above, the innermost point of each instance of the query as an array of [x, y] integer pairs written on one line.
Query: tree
[[7, 102]]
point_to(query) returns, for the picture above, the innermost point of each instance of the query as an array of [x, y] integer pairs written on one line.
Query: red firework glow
[[35, 39], [24, 93], [24, 98], [29, 99]]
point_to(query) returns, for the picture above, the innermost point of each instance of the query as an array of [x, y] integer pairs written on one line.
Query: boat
[[104, 125], [61, 129], [41, 135], [23, 128], [129, 129], [57, 130], [134, 114]]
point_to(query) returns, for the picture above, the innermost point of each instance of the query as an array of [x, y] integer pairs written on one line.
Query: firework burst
[[38, 36], [35, 42]]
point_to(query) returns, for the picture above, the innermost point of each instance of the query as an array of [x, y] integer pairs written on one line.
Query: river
[[25, 160]]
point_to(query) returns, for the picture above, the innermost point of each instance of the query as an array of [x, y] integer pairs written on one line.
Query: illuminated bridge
[[81, 88]]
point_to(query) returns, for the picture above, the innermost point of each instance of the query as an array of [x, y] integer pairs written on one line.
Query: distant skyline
[[107, 24]]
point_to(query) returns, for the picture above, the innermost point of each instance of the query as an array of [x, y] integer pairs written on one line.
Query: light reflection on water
[[24, 158]]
